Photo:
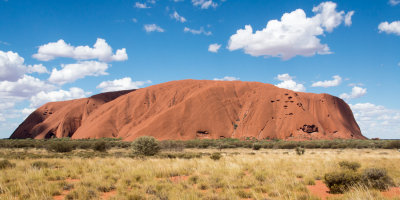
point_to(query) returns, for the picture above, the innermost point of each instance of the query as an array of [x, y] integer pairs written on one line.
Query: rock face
[[189, 109]]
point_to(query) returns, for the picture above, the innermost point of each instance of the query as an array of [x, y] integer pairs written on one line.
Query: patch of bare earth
[[177, 179], [392, 192], [320, 190], [108, 195]]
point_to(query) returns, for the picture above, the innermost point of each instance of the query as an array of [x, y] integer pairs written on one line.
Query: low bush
[[215, 156], [100, 146], [300, 151], [40, 164], [349, 165], [257, 146], [145, 146], [60, 147], [377, 179], [6, 164], [341, 181]]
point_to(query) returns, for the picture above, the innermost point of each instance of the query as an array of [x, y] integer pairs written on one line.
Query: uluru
[[190, 109]]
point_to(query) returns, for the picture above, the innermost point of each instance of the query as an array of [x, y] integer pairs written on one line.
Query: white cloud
[[40, 69], [288, 83], [329, 83], [27, 111], [197, 32], [24, 87], [227, 78], [394, 2], [204, 4], [141, 5], [295, 34], [12, 66], [347, 18], [72, 72], [59, 95], [152, 27], [121, 84], [356, 92], [390, 28], [134, 20], [377, 121], [177, 17], [101, 51], [214, 47]]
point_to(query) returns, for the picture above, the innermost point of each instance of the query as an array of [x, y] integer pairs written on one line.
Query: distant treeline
[[205, 143]]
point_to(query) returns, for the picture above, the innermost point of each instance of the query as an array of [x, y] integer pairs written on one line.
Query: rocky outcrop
[[190, 109]]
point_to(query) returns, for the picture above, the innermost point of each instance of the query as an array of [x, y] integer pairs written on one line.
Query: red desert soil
[[190, 109], [392, 192], [320, 190]]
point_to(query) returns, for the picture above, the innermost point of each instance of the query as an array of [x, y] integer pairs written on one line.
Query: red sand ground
[[190, 109], [392, 192], [320, 190]]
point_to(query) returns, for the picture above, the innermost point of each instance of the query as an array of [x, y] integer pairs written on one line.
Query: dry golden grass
[[239, 174]]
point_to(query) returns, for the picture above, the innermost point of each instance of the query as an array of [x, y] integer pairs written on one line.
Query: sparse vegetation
[[300, 151], [348, 177], [145, 146], [349, 165], [190, 173], [100, 146], [216, 156], [4, 164]]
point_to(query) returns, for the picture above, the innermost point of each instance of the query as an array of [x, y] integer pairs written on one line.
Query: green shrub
[[215, 156], [6, 164], [40, 164], [257, 146], [349, 165], [145, 146], [100, 146], [395, 144], [341, 181], [376, 178], [61, 147], [300, 151]]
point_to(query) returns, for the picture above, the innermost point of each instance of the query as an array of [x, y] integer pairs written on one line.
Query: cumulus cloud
[[394, 2], [72, 72], [390, 28], [204, 4], [197, 32], [295, 34], [227, 78], [58, 95], [356, 92], [329, 83], [177, 17], [24, 87], [214, 47], [121, 84], [12, 66], [153, 28], [377, 121], [101, 51], [141, 5], [287, 82]]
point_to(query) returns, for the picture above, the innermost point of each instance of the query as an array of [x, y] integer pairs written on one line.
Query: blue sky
[[349, 49]]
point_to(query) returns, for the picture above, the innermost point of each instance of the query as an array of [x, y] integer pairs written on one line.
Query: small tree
[[145, 146], [216, 156], [300, 151], [100, 145], [256, 146]]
